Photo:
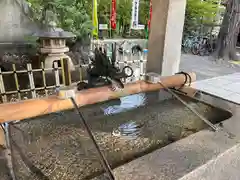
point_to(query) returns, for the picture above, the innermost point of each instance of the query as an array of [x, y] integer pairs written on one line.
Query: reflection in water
[[127, 103], [130, 129]]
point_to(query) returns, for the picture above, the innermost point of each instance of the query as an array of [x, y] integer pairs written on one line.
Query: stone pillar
[[166, 36], [15, 22], [157, 35]]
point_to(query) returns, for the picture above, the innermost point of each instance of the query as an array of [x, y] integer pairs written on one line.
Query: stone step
[[224, 167]]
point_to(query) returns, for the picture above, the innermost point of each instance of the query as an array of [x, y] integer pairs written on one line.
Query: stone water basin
[[56, 146]]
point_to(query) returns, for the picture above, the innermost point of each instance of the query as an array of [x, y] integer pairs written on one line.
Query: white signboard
[[103, 27], [135, 14], [139, 27]]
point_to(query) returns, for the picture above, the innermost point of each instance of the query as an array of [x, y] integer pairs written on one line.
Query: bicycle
[[196, 46], [205, 46], [188, 43]]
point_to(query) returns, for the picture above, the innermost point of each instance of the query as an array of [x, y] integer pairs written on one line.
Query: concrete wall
[[15, 23]]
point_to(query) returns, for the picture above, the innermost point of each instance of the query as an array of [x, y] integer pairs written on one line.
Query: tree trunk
[[222, 36], [227, 38]]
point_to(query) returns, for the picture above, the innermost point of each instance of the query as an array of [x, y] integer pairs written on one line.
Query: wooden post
[[67, 72]]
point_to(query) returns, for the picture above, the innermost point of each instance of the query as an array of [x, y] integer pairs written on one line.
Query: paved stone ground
[[206, 67], [218, 78], [226, 87]]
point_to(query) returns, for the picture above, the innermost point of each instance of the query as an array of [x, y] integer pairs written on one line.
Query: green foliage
[[124, 9], [75, 15], [144, 11], [104, 11], [200, 12], [71, 15]]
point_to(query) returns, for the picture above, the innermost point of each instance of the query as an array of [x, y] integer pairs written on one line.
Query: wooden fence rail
[[16, 85]]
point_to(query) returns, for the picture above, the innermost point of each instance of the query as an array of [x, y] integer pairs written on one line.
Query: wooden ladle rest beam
[[21, 110]]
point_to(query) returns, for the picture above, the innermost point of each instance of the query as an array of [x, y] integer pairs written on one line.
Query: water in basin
[[57, 146]]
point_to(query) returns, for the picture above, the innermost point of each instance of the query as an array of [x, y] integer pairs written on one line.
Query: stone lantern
[[53, 45]]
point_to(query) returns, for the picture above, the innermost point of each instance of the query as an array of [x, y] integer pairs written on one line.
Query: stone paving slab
[[226, 87]]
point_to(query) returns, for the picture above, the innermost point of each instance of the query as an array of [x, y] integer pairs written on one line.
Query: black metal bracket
[[103, 72]]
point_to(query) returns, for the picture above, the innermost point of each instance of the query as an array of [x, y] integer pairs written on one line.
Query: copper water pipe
[[36, 107]]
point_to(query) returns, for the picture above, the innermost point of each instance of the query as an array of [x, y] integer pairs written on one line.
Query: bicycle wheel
[[203, 51], [185, 46], [195, 48], [186, 49]]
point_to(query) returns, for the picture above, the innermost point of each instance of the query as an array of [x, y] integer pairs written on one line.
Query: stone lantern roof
[[53, 44], [53, 32]]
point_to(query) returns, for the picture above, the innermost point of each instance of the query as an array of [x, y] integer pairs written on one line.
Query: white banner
[[135, 10]]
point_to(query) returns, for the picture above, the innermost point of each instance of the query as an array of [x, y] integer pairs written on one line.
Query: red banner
[[114, 15], [150, 15]]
